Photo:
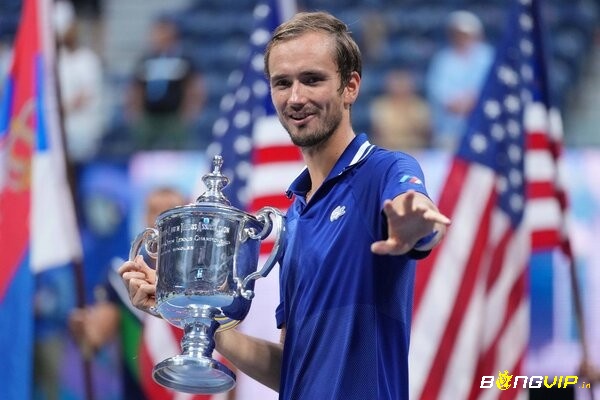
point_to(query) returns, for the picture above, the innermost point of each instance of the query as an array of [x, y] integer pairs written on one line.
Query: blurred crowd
[[164, 96]]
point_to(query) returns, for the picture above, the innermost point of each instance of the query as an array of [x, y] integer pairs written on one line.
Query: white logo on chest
[[337, 212]]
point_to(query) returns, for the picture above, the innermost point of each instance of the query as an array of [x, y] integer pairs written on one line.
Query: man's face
[[463, 40], [162, 36], [305, 88]]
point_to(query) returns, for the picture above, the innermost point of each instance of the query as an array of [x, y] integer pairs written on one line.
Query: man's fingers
[[389, 247], [137, 263], [135, 283], [381, 248], [389, 210], [128, 266], [147, 289], [144, 298], [141, 293], [135, 275], [434, 216]]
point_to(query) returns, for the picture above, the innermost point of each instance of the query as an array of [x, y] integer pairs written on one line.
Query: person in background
[[167, 94], [360, 218], [81, 78], [53, 298], [400, 118], [91, 14], [455, 76]]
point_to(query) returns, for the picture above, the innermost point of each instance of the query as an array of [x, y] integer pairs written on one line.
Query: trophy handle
[[149, 239], [273, 219]]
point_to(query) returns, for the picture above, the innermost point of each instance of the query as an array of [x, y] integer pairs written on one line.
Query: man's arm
[[411, 217], [257, 358]]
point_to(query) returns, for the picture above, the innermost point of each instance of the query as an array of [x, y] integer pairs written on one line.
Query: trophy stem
[[198, 338], [195, 371]]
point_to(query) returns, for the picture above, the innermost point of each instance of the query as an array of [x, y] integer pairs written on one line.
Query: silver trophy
[[207, 257]]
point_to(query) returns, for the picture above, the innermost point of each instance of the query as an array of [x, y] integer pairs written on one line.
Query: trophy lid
[[215, 181]]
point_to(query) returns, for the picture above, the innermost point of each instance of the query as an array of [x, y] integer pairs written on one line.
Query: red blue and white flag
[[472, 301], [37, 221]]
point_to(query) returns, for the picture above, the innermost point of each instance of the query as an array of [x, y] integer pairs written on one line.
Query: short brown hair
[[347, 55]]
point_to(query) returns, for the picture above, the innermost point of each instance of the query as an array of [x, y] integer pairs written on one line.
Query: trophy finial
[[217, 164], [215, 182]]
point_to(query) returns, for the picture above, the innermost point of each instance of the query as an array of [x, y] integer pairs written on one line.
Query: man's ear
[[352, 88]]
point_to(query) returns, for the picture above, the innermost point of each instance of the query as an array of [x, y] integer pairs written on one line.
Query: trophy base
[[197, 375]]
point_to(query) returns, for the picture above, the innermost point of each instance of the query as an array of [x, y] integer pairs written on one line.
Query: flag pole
[[78, 265]]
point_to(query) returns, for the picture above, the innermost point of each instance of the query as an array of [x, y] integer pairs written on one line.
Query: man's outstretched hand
[[411, 216]]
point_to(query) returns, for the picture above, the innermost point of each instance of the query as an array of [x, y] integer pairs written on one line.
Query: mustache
[[292, 112]]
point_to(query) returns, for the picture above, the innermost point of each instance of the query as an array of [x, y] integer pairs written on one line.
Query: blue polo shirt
[[347, 311]]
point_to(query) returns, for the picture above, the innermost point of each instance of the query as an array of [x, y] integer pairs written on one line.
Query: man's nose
[[297, 93]]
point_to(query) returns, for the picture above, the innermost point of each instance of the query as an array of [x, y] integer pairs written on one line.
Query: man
[[168, 91], [359, 219], [81, 79], [400, 117], [455, 77]]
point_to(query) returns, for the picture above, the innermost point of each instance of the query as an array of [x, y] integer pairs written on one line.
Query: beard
[[312, 138]]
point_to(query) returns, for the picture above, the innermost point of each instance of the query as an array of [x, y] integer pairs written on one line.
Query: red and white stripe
[[546, 195]]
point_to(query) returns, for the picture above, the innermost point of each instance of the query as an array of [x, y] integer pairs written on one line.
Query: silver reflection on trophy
[[207, 256]]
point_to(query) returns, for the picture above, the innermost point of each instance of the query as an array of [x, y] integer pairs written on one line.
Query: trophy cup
[[207, 257]]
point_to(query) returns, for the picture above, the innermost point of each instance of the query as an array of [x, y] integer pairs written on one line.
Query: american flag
[[258, 155], [471, 309]]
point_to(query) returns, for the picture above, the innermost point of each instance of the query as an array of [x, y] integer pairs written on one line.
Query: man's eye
[[281, 84]]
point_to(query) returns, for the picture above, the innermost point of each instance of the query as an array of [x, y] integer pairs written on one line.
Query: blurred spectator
[[81, 79], [374, 34], [54, 297], [455, 77], [88, 9], [90, 12], [167, 94], [400, 118], [105, 198]]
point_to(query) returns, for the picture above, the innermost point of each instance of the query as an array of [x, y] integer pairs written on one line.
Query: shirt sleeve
[[404, 174]]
